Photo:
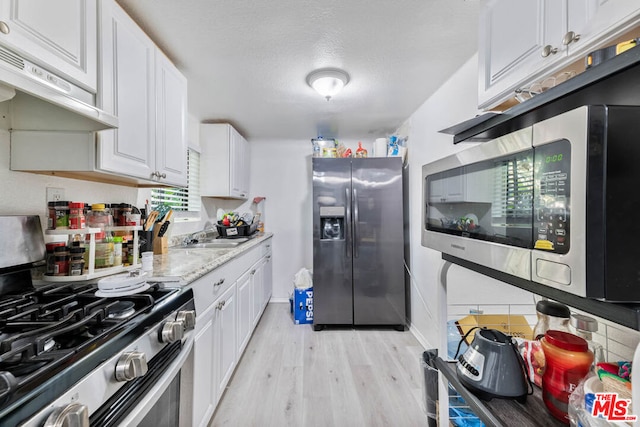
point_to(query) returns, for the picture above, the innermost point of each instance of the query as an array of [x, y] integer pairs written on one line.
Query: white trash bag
[[303, 279]]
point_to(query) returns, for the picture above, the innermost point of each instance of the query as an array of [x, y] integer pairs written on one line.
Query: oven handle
[[138, 413]]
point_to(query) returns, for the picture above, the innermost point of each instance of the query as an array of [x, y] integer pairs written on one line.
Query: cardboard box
[[511, 324], [303, 306]]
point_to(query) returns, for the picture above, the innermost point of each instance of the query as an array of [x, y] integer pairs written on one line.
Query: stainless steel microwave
[[557, 203]]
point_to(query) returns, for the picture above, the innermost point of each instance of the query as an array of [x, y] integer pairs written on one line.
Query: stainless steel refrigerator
[[358, 242]]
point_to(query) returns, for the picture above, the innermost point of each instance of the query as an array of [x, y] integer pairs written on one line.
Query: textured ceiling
[[247, 61]]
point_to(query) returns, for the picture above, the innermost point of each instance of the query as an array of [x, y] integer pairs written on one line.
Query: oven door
[[154, 399], [477, 204]]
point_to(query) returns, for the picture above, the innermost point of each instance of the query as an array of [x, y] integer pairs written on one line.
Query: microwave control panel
[[552, 196]]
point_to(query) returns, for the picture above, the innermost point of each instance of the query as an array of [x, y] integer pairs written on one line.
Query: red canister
[[568, 360]]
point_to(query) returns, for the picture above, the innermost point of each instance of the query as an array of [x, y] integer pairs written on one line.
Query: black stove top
[[45, 330]]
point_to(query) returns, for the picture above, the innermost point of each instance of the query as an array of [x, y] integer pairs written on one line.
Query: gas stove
[[56, 337]]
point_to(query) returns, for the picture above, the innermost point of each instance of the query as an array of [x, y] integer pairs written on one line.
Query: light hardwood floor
[[292, 376]]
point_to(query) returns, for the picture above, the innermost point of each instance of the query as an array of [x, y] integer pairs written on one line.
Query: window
[[513, 200], [182, 199]]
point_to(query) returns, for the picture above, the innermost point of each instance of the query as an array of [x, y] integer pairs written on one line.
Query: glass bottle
[[584, 326], [551, 316]]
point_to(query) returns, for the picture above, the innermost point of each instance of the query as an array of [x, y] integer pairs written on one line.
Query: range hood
[[38, 99]]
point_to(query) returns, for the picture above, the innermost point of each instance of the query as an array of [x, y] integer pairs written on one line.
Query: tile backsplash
[[619, 342]]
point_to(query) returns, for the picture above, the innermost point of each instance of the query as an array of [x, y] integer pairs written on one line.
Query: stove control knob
[[171, 331], [131, 365], [72, 415], [188, 318]]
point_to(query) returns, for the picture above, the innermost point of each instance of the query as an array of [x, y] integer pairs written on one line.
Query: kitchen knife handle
[[356, 215], [347, 220]]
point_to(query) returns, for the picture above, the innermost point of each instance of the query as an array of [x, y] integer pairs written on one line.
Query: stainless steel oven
[[553, 203], [140, 385], [71, 356]]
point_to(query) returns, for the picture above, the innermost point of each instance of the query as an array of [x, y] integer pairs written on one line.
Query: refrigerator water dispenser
[[332, 222]]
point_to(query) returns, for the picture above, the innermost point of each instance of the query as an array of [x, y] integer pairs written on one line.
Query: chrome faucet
[[203, 234]]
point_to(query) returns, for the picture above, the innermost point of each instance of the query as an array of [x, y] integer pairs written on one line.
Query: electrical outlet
[[55, 194]]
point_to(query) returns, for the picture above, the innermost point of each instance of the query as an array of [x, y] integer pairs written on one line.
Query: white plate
[[122, 292], [472, 217], [121, 281]]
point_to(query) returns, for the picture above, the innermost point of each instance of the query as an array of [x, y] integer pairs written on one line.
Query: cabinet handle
[[253, 272], [164, 175], [570, 37], [220, 305], [4, 28], [268, 256], [219, 282], [549, 50]]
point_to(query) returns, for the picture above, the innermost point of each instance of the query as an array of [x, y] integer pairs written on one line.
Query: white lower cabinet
[[229, 303], [204, 394], [245, 309], [224, 328]]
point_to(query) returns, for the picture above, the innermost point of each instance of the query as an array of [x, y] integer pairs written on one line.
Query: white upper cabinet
[[224, 162], [523, 41], [171, 133], [61, 35], [148, 94], [128, 91], [517, 38]]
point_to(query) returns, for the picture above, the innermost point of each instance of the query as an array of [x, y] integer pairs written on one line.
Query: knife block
[[160, 244]]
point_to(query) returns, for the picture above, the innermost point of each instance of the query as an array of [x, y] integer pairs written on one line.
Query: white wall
[[281, 172], [25, 193], [453, 103]]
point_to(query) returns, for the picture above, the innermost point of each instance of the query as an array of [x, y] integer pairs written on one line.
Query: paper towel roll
[[380, 147]]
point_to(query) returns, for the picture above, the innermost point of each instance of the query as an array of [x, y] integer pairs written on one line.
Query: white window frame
[[190, 195]]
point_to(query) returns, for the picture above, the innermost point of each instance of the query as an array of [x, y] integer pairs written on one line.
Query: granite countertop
[[186, 265]]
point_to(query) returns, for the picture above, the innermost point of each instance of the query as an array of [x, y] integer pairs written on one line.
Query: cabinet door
[[246, 167], [204, 362], [267, 280], [449, 188], [258, 291], [596, 21], [513, 37], [226, 334], [236, 163], [128, 91], [171, 133], [60, 35], [245, 311]]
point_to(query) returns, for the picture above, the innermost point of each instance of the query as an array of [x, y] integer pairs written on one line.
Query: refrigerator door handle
[[355, 223], [347, 221]]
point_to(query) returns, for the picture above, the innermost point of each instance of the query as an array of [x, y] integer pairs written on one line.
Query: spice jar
[[61, 261], [76, 261], [568, 360], [551, 315], [58, 215], [117, 250], [50, 257], [76, 215]]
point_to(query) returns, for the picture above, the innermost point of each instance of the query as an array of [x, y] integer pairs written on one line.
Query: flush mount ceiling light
[[328, 82]]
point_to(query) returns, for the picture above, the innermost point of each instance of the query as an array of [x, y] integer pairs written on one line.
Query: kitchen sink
[[216, 244]]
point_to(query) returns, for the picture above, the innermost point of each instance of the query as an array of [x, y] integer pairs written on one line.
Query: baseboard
[[279, 300], [421, 339]]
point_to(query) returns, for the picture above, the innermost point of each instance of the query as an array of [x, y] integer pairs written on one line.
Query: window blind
[[512, 202], [182, 199]]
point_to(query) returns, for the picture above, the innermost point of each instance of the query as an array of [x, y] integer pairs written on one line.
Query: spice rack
[[91, 271]]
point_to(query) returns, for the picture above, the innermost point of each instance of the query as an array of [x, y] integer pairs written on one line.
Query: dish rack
[[91, 271]]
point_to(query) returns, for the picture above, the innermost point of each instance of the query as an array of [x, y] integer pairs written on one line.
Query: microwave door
[[478, 204]]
